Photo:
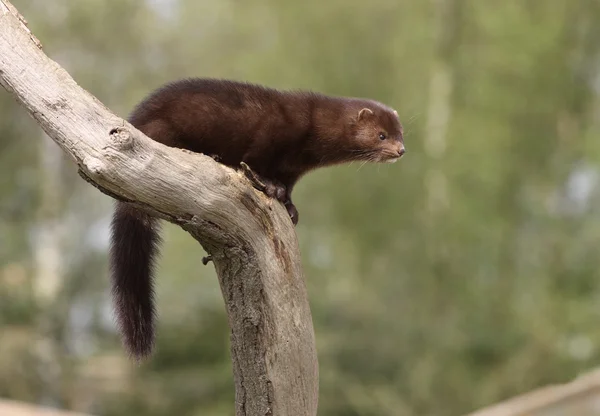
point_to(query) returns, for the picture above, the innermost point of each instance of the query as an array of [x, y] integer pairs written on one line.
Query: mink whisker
[[412, 118]]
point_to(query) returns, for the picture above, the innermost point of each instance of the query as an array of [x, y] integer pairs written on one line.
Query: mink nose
[[401, 151]]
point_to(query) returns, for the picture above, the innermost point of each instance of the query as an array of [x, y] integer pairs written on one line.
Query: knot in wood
[[93, 165], [121, 138]]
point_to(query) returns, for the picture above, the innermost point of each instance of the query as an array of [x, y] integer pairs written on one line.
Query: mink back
[[223, 117], [280, 134]]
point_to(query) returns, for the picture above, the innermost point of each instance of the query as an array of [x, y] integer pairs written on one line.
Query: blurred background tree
[[461, 276]]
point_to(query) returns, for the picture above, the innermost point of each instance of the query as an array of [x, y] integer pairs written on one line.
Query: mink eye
[[382, 136]]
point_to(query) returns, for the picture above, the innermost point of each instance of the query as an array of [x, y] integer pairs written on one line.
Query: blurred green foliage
[[463, 275]]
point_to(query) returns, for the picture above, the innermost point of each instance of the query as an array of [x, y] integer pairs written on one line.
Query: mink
[[279, 135]]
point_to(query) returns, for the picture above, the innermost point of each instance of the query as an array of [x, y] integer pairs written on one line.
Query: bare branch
[[249, 237]]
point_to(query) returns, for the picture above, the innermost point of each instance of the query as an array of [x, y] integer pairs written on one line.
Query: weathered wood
[[250, 237], [11, 408]]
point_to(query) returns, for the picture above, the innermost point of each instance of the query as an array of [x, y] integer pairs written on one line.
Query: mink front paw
[[275, 190]]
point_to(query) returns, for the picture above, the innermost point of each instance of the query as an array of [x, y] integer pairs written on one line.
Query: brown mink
[[280, 135]]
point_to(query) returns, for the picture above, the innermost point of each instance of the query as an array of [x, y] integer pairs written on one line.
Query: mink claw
[[207, 259], [253, 177], [292, 211], [271, 188]]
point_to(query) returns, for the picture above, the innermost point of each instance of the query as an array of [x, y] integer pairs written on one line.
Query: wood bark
[[250, 237]]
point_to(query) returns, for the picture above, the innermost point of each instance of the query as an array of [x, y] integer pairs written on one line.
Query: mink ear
[[364, 112], [396, 114]]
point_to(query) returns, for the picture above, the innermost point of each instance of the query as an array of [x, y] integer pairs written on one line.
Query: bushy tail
[[133, 250]]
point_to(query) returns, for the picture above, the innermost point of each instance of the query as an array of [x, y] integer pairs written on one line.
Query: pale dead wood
[[581, 397], [250, 237], [12, 408]]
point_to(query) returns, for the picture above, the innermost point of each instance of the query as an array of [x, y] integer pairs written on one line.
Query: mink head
[[378, 134]]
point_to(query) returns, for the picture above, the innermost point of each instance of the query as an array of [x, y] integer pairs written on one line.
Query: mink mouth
[[387, 158]]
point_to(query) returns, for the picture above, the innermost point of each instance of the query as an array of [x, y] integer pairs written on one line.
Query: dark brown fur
[[280, 135]]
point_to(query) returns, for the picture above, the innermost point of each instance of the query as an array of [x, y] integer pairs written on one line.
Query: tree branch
[[578, 397], [11, 408], [249, 236]]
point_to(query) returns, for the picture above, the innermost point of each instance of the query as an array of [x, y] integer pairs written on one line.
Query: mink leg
[[271, 188], [280, 192]]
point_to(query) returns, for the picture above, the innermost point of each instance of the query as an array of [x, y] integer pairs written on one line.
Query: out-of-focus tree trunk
[[48, 237], [49, 263], [439, 113]]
